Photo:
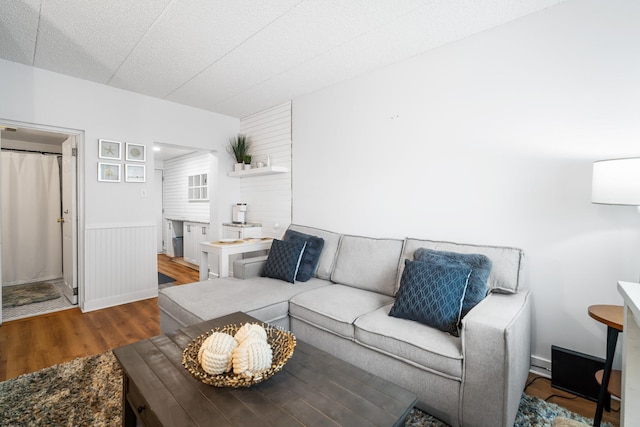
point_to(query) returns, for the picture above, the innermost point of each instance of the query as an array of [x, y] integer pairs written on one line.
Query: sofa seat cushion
[[334, 308], [264, 298], [412, 342]]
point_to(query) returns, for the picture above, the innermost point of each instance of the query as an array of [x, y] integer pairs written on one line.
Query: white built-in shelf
[[267, 170]]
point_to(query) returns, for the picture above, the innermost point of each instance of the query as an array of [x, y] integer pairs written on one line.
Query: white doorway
[[158, 208], [62, 145], [174, 164]]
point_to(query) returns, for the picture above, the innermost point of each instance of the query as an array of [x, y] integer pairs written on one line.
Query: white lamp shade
[[616, 182]]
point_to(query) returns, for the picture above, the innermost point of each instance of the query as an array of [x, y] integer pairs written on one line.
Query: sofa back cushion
[[506, 273], [366, 263], [329, 250]]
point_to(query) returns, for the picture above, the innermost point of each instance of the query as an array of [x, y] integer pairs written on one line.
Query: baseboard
[[540, 366], [101, 303]]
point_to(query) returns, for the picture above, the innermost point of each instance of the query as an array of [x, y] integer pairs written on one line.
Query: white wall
[[491, 140], [32, 95]]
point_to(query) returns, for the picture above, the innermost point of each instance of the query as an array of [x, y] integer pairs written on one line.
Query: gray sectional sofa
[[475, 379]]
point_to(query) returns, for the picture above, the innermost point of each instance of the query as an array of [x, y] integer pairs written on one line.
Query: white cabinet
[[240, 231], [194, 233], [173, 229]]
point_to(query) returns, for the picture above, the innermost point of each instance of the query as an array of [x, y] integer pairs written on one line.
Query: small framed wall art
[[135, 173], [108, 172], [109, 149], [136, 152]]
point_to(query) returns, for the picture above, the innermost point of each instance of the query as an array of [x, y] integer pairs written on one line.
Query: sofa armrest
[[496, 342], [249, 267]]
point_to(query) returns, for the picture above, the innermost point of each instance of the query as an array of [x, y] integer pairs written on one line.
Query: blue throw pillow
[[431, 294], [283, 260], [479, 264], [311, 255]]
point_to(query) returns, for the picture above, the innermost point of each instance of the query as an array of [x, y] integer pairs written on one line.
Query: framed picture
[[135, 173], [136, 152], [108, 172], [109, 149]]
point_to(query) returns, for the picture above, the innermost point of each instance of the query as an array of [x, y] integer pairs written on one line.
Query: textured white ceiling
[[236, 57]]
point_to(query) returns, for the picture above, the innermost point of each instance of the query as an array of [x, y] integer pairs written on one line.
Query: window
[[198, 188]]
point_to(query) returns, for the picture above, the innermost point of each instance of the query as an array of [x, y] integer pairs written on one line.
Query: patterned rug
[[88, 391], [28, 293], [84, 392]]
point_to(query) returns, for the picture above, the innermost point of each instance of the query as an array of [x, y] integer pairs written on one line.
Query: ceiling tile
[[236, 57], [308, 31], [191, 35], [18, 29], [90, 39], [419, 30]]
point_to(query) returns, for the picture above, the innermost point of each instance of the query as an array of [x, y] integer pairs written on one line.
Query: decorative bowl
[[282, 343]]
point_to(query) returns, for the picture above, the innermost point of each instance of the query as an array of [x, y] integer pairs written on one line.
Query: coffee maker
[[239, 213]]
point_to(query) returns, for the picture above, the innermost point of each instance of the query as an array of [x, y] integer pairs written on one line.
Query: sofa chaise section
[[263, 298]]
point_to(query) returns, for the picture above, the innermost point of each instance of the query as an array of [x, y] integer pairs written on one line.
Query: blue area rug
[[533, 412]]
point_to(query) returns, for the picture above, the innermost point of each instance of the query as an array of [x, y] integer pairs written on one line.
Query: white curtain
[[31, 235]]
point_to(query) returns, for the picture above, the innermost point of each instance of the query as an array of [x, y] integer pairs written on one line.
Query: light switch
[[143, 192]]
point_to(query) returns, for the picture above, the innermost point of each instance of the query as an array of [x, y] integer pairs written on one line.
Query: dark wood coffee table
[[313, 389]]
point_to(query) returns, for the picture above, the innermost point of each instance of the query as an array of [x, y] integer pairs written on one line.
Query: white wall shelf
[[267, 170]]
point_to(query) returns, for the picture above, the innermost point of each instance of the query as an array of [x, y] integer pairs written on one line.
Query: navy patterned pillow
[[431, 294], [480, 266], [311, 254], [283, 260]]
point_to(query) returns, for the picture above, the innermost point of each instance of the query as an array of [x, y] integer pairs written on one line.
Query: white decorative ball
[[215, 354]]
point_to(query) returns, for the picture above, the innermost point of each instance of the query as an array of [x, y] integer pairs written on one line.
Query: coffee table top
[[313, 389]]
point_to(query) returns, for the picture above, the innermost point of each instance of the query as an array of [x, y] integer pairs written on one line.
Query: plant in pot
[[247, 161], [239, 150]]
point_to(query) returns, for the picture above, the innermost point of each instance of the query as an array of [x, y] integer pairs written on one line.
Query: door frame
[[80, 211]]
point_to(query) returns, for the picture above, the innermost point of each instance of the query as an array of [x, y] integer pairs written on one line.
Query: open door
[[69, 226]]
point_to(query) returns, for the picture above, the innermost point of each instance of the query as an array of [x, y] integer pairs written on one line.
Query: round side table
[[613, 317]]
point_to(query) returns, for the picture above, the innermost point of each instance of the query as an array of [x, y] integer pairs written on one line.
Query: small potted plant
[[247, 161], [239, 150]]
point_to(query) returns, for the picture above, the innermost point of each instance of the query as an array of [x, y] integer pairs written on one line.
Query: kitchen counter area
[[184, 237]]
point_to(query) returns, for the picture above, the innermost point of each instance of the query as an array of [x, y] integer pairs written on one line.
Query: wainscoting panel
[[120, 264]]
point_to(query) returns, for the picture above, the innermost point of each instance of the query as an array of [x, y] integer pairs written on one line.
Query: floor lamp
[[614, 182]]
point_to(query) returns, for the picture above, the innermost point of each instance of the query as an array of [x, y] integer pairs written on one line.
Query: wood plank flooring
[[28, 345]]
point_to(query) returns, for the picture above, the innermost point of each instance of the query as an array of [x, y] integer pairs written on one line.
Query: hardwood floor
[[176, 268], [28, 345]]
